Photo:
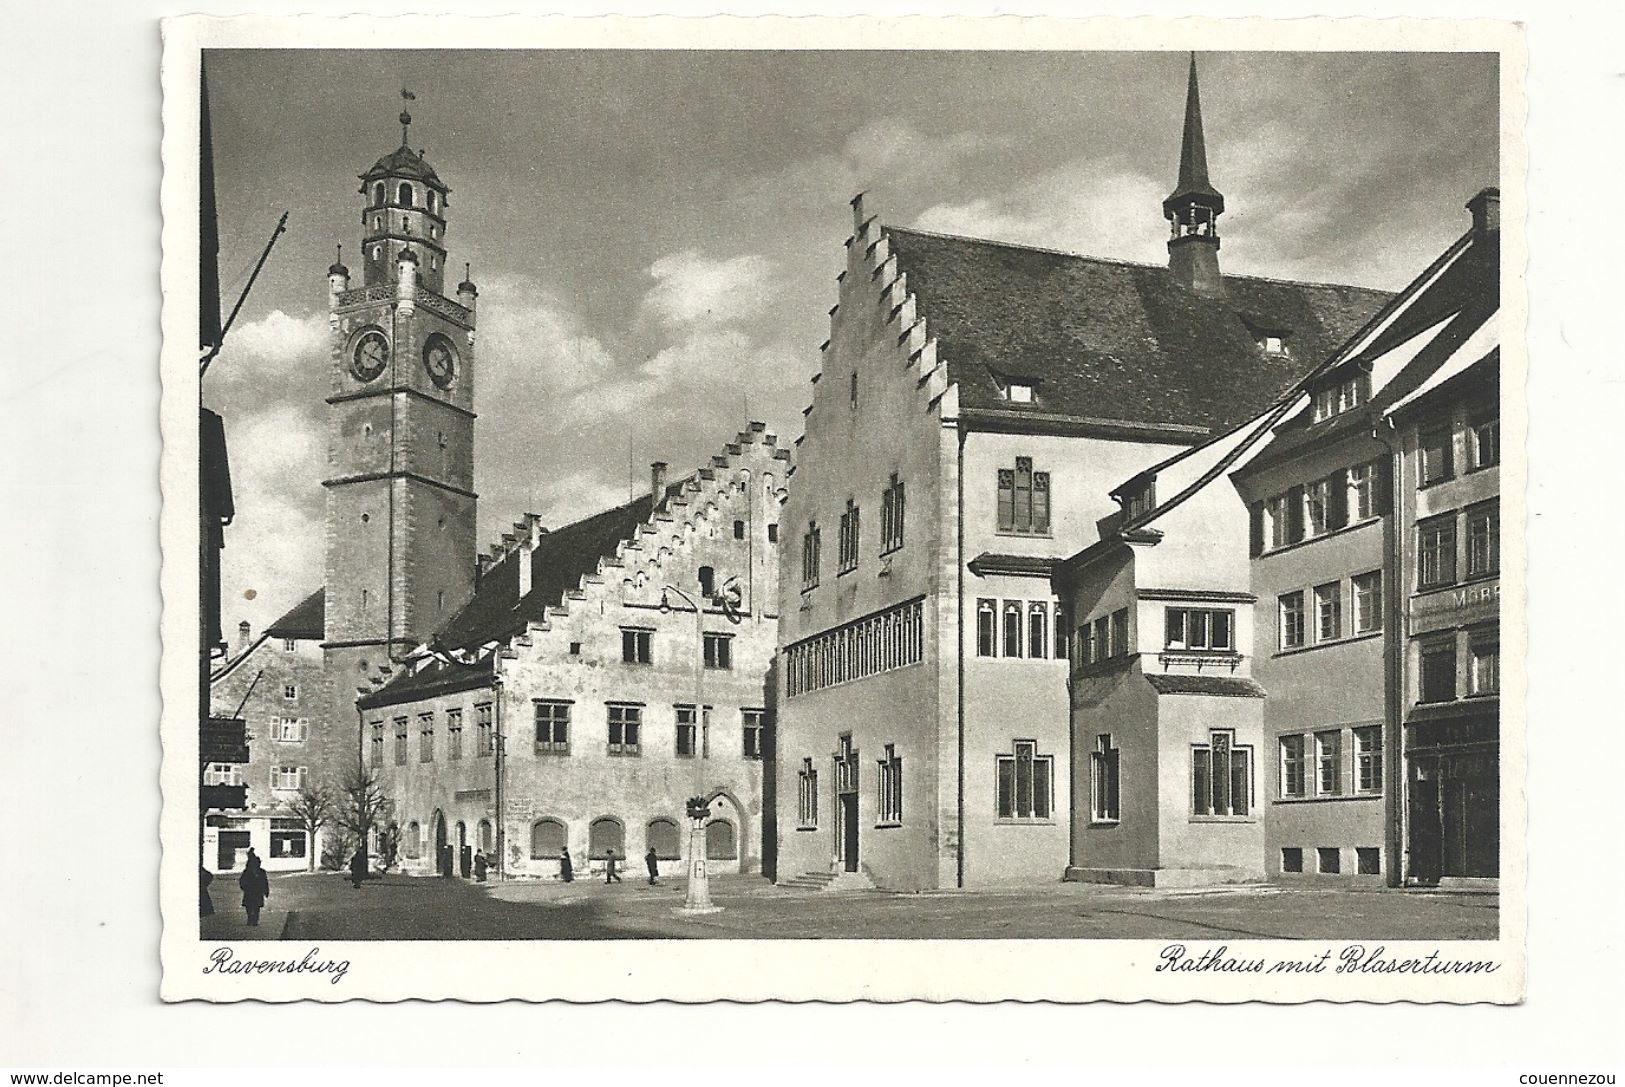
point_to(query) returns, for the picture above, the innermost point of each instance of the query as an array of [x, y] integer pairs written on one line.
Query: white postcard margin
[[795, 970]]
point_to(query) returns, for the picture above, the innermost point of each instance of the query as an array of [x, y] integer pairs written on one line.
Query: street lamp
[[698, 898]]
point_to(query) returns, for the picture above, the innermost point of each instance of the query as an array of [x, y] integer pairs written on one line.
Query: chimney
[[532, 535], [243, 635], [657, 480], [1486, 209]]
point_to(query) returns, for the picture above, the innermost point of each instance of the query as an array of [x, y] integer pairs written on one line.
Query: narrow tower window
[[405, 195]]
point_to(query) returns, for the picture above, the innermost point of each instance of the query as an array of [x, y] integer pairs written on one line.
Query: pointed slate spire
[[1193, 185]]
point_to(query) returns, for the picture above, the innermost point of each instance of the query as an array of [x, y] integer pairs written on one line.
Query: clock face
[[370, 355], [440, 359]]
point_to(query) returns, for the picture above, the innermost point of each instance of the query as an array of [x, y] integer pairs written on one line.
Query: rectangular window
[[288, 779], [1292, 766], [1368, 860], [1436, 462], [1483, 541], [1024, 499], [1199, 628], [986, 629], [1104, 780], [1012, 628], [1436, 552], [552, 728], [719, 651], [1038, 630], [1120, 632], [753, 732], [1484, 441], [1221, 776], [290, 730], [377, 744], [454, 734], [1092, 649], [689, 738], [1025, 783], [1063, 635], [289, 645], [1484, 663], [1292, 858], [223, 773], [1329, 860], [290, 692], [1368, 759], [1317, 505], [1362, 498], [625, 729], [891, 516], [400, 741], [1438, 671], [891, 786], [809, 557], [426, 737], [1292, 620], [808, 796], [1279, 522], [637, 645], [1367, 601], [484, 737], [1329, 763], [847, 552], [1103, 636], [1329, 611]]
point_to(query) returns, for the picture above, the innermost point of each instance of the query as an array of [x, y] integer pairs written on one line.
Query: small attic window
[[1018, 390], [1342, 395], [1141, 501], [1272, 343]]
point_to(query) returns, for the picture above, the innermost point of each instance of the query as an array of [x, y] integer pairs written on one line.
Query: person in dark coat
[[256, 887], [205, 904], [480, 865], [358, 867], [652, 862], [610, 875], [566, 869]]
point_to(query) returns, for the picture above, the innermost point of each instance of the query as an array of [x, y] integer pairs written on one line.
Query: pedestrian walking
[[652, 862], [480, 865], [256, 887], [205, 904], [358, 867], [567, 870], [610, 875]]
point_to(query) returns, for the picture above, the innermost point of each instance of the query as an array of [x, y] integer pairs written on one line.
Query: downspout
[[959, 649], [501, 761], [1393, 769]]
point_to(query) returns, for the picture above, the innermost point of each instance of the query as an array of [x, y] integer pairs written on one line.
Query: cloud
[[691, 289], [1094, 207], [279, 337]]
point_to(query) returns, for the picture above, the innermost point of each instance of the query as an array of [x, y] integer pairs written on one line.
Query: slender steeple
[[1194, 207]]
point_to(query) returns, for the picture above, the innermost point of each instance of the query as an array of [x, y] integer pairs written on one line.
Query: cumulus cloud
[[1091, 207], [693, 289], [280, 337]]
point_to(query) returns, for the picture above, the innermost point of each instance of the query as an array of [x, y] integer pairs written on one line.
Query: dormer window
[[1272, 344], [1139, 502], [1018, 390], [1342, 396]]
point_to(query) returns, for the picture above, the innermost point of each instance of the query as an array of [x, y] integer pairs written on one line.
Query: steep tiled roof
[[1110, 340], [1222, 686], [307, 619]]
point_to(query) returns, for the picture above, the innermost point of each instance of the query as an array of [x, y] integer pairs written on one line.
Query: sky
[[656, 234]]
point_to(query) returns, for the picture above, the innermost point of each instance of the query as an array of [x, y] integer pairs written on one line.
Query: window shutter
[[1337, 508], [1255, 542], [1041, 502], [1294, 515]]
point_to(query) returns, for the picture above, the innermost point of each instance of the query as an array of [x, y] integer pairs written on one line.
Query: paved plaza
[[323, 906]]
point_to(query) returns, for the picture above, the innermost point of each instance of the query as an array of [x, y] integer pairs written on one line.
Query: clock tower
[[400, 486]]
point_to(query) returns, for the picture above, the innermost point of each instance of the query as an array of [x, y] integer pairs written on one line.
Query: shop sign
[[1475, 603], [1454, 732], [223, 739]]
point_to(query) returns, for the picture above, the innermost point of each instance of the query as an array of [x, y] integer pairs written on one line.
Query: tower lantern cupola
[[1194, 207], [404, 206]]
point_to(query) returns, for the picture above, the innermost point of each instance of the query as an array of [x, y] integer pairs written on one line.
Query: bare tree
[[363, 804], [314, 806]]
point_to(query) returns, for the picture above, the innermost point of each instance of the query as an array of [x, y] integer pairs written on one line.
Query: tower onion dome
[[405, 163], [337, 268], [467, 285], [407, 254], [1193, 186]]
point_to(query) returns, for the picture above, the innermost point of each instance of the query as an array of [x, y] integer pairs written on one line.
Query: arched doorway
[[465, 852], [725, 835], [441, 863]]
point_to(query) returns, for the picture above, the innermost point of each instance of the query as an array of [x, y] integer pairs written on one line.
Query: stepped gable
[[306, 619], [1112, 340]]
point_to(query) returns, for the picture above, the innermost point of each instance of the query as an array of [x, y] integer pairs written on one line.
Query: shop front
[[1453, 803]]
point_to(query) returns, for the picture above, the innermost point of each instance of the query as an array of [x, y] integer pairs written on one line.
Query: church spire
[[1194, 207]]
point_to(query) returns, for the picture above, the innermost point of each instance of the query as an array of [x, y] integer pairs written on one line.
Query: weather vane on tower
[[406, 118]]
